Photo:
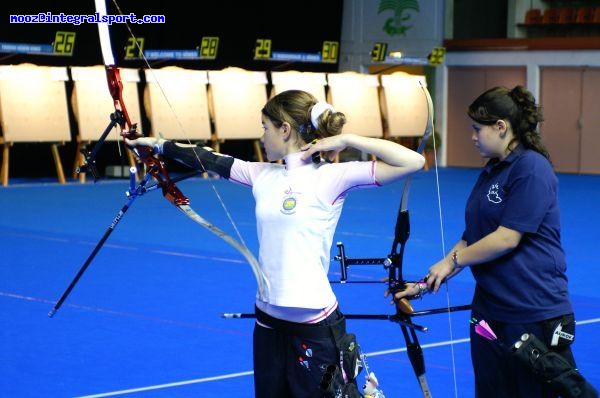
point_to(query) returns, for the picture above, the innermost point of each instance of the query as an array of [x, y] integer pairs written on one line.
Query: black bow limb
[[394, 264]]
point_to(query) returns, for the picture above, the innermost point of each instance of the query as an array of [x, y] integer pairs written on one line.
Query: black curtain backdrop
[[292, 26]]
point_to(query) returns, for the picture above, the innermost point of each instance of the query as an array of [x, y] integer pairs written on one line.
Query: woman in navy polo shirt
[[511, 244]]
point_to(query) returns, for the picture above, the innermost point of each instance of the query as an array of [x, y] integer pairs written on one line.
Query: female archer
[[299, 324]]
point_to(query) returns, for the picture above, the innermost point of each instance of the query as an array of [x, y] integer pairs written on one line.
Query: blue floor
[[145, 318]]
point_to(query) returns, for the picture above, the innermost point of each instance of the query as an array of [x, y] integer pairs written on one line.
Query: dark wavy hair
[[518, 106]]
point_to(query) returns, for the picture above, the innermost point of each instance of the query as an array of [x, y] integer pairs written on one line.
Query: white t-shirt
[[298, 205]]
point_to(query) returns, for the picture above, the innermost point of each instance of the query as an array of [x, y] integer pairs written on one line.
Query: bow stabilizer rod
[[133, 193]]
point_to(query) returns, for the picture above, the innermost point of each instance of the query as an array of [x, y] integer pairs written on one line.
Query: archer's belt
[[332, 326]]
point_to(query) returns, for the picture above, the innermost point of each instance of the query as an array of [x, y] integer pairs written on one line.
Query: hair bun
[[317, 110]]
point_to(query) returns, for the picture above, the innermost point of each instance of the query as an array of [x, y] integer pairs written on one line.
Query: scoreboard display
[[259, 35]]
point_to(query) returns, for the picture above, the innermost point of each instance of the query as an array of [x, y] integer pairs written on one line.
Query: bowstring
[[443, 246]]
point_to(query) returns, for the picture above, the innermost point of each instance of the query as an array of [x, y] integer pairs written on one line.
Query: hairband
[[317, 110]]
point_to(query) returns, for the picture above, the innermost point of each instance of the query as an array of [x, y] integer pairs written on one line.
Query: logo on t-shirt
[[493, 194], [288, 205]]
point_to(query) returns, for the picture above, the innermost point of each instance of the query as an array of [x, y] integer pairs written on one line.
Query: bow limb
[[396, 280], [243, 249], [155, 166]]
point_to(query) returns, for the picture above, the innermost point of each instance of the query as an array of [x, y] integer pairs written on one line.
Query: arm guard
[[198, 158]]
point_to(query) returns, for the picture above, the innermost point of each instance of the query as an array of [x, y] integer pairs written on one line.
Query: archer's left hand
[[143, 141]]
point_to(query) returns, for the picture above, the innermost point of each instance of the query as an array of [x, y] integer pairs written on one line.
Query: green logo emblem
[[397, 26]]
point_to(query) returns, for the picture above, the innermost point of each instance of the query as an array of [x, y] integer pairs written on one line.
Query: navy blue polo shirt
[[529, 284]]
